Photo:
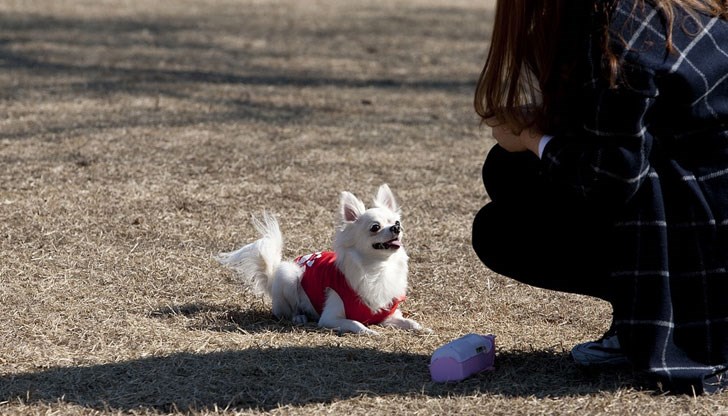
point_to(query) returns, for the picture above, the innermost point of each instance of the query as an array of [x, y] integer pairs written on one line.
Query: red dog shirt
[[320, 273]]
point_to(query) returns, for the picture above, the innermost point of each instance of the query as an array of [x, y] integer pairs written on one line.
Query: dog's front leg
[[334, 316], [396, 320]]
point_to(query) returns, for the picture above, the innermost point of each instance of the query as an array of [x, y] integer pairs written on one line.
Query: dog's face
[[374, 232], [378, 229]]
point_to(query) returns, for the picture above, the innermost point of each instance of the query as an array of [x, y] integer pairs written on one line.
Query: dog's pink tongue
[[395, 243]]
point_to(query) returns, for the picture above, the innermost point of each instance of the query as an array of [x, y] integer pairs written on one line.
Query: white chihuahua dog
[[360, 283]]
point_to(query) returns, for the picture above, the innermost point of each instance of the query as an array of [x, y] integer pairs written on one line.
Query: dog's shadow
[[203, 316], [265, 378]]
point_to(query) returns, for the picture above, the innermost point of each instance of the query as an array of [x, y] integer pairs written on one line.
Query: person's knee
[[490, 172], [514, 178], [482, 228], [497, 240]]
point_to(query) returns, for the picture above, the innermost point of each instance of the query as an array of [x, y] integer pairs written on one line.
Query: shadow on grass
[[218, 318], [265, 378], [195, 68]]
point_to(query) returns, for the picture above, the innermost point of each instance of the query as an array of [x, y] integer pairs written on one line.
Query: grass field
[[136, 140]]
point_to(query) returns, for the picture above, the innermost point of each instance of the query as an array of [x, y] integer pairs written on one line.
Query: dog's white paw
[[406, 324], [370, 332], [299, 319], [364, 331], [411, 325], [417, 327]]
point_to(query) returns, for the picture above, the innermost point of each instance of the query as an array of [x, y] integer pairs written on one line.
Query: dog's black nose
[[395, 229]]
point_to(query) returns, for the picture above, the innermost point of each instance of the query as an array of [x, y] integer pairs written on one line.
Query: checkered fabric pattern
[[654, 153]]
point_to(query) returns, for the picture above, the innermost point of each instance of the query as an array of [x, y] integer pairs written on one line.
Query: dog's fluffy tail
[[255, 264]]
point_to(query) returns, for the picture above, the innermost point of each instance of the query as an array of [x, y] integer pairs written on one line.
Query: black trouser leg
[[536, 235]]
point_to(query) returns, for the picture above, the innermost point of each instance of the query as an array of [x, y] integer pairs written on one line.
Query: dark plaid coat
[[653, 152]]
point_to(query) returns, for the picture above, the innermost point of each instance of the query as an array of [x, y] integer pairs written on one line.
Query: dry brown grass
[[137, 138]]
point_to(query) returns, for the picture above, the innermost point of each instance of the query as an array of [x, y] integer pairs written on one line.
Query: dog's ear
[[351, 207], [385, 199]]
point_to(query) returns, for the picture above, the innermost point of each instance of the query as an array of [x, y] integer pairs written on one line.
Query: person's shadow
[[266, 377]]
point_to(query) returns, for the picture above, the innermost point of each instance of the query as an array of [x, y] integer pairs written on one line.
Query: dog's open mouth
[[393, 244]]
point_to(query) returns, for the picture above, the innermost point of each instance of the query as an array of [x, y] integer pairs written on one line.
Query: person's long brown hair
[[520, 81]]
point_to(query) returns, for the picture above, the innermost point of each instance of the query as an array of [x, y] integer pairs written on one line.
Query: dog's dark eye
[[397, 224], [374, 228]]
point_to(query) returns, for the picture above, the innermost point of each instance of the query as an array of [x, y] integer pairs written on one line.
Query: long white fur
[[255, 262], [378, 276]]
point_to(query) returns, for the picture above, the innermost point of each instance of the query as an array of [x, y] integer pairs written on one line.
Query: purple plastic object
[[463, 357]]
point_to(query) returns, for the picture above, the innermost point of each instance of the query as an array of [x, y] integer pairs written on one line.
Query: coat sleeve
[[608, 159], [605, 157]]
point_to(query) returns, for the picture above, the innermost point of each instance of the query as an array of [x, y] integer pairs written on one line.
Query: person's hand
[[528, 139]]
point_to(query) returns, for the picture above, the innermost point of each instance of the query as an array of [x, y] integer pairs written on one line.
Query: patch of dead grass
[[136, 140]]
